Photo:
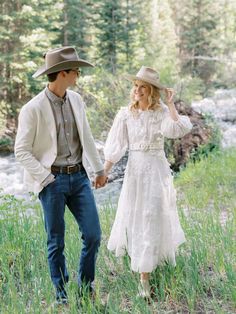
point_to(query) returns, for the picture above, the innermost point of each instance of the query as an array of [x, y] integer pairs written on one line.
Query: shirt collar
[[54, 98]]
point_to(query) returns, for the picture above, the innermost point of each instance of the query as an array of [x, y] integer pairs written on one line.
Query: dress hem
[[123, 251]]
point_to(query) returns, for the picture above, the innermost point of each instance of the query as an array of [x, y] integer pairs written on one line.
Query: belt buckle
[[69, 169], [144, 146]]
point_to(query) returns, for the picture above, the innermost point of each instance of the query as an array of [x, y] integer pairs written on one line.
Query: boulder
[[179, 151]]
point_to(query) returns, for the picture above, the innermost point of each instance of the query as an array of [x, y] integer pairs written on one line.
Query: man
[[52, 143]]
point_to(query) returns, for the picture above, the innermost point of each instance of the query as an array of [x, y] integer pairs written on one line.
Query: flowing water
[[222, 106]]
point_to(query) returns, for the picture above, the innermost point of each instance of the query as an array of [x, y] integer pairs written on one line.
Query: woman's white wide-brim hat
[[59, 59], [147, 75]]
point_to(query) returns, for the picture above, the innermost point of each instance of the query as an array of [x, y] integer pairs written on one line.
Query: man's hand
[[100, 181]]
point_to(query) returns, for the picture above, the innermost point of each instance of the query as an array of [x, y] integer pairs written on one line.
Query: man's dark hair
[[53, 76]]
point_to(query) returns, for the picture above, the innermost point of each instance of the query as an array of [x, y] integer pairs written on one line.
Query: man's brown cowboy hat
[[147, 75], [59, 59]]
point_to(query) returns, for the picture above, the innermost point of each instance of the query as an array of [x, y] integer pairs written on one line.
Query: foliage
[[203, 280], [77, 21], [103, 99], [118, 37], [5, 141], [11, 58], [30, 24], [190, 88], [213, 144], [117, 29], [161, 53], [197, 22]]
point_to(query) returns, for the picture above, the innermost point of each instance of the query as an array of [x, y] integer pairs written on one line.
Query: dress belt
[[146, 146], [67, 169]]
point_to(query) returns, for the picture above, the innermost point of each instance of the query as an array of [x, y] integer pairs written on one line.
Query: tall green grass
[[203, 281]]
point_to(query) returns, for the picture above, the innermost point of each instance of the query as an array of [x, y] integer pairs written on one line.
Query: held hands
[[100, 181], [169, 93]]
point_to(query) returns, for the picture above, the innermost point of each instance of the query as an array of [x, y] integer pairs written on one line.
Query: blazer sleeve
[[27, 124], [89, 146]]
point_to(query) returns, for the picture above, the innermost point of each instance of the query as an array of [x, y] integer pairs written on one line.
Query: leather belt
[[67, 169]]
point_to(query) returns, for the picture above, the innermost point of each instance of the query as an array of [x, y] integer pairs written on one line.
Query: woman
[[146, 224]]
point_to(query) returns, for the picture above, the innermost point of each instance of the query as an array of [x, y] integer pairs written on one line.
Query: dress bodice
[[142, 130]]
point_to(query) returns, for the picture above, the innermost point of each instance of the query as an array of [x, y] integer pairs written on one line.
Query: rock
[[179, 150]]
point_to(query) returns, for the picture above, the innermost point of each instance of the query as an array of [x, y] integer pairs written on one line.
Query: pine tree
[[162, 46], [117, 33], [10, 44], [77, 25], [197, 24], [130, 40], [26, 32], [226, 41], [110, 31]]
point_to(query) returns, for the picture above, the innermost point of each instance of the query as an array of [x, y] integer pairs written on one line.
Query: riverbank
[[202, 282]]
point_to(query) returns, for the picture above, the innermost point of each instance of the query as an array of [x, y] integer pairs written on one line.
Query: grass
[[203, 281]]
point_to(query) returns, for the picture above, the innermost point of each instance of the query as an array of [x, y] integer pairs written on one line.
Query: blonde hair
[[154, 98]]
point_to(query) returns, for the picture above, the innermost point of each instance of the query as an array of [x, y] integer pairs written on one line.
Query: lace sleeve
[[175, 129], [117, 140]]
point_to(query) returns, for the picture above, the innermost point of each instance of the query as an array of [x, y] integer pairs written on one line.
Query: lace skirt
[[147, 225]]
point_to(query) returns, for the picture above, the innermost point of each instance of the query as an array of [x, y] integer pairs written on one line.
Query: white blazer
[[36, 139]]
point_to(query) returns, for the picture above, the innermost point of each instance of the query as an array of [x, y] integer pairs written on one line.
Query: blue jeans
[[73, 190]]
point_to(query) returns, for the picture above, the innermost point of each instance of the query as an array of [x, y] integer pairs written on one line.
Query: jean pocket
[[52, 182]]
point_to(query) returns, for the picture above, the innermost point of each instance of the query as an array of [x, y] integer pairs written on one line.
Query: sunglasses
[[77, 71]]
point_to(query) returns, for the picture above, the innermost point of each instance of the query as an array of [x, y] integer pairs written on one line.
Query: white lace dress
[[147, 223]]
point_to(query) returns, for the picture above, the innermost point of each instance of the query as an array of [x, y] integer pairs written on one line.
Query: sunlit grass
[[203, 281]]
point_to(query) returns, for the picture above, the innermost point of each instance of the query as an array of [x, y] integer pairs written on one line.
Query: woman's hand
[[107, 167], [169, 93]]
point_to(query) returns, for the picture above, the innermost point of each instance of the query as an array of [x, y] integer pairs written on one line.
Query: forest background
[[191, 43]]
